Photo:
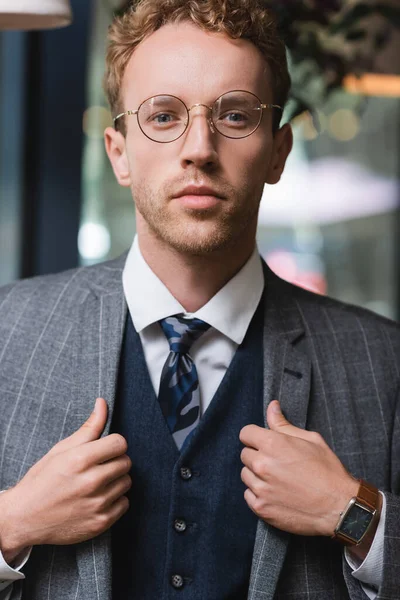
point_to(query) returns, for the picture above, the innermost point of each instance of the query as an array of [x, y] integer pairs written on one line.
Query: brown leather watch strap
[[368, 494]]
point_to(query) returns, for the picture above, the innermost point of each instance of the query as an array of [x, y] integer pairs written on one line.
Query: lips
[[193, 190]]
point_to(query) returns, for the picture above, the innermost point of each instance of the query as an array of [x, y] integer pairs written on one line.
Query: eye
[[234, 117], [163, 119]]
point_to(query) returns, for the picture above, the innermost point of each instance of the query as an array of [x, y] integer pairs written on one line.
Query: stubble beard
[[197, 232]]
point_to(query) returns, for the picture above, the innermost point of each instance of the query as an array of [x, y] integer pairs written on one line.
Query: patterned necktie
[[179, 386]]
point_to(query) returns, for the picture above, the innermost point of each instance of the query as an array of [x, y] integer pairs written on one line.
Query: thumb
[[275, 417], [277, 421], [93, 428]]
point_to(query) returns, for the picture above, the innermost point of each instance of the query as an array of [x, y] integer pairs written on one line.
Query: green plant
[[330, 39]]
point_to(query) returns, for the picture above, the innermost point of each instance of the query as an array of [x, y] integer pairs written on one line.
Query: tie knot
[[181, 333]]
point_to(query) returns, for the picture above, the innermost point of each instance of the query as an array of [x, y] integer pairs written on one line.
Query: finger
[[253, 436], [117, 510], [89, 431], [250, 498], [251, 480], [113, 469], [94, 426], [116, 489], [277, 422], [248, 456], [101, 451]]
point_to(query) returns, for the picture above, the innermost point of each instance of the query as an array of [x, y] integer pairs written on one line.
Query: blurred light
[[344, 125], [309, 239], [326, 190], [311, 125], [300, 118], [373, 84], [286, 265], [282, 263], [94, 241], [34, 14], [314, 282], [95, 120], [309, 130]]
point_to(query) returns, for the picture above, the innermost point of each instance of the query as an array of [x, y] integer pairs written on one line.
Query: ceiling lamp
[[34, 14]]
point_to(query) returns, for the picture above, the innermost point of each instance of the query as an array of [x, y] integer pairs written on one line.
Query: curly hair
[[248, 19]]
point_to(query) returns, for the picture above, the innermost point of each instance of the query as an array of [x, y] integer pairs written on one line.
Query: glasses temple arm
[[271, 106], [127, 113]]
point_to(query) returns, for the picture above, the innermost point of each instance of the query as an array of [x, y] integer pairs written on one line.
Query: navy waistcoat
[[189, 533]]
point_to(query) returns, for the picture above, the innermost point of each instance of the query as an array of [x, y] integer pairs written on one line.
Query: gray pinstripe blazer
[[334, 367]]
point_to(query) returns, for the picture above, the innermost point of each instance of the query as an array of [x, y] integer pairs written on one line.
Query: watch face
[[356, 522]]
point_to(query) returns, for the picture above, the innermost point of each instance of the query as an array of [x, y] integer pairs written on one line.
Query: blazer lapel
[[102, 321], [287, 377]]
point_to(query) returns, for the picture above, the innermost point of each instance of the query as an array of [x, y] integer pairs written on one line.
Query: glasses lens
[[237, 114], [163, 118]]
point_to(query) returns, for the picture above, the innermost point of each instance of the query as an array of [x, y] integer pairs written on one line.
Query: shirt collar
[[229, 311]]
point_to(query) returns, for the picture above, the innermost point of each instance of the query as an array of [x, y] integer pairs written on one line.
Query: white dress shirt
[[229, 313]]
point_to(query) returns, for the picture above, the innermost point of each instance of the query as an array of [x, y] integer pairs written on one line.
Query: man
[[236, 414]]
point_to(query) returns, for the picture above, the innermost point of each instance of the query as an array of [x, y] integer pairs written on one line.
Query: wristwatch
[[357, 517]]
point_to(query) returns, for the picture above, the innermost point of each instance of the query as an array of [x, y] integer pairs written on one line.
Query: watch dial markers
[[356, 522]]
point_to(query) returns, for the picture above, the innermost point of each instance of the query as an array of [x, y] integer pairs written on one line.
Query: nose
[[199, 139]]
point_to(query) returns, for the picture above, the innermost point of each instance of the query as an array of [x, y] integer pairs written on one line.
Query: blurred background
[[331, 224]]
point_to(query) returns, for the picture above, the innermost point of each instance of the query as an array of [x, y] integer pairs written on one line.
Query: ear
[[116, 151], [283, 143]]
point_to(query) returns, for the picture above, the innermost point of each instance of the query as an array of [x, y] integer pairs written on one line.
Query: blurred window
[[12, 56], [330, 224]]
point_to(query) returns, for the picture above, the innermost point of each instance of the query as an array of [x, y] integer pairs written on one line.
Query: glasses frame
[[213, 127]]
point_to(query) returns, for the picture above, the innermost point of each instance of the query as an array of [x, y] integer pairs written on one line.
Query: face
[[197, 67]]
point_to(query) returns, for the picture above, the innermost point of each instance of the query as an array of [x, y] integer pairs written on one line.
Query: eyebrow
[[158, 100]]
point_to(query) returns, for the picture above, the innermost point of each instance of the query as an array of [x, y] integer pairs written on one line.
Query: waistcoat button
[[186, 473], [177, 581], [179, 525]]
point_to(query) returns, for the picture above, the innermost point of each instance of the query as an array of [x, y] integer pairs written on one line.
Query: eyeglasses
[[165, 118]]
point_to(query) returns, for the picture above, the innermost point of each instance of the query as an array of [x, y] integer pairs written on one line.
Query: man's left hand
[[294, 480]]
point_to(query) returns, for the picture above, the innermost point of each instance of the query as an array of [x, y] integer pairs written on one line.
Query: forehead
[[198, 66]]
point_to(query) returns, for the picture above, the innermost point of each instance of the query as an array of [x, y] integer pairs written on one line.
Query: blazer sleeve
[[390, 588], [391, 556]]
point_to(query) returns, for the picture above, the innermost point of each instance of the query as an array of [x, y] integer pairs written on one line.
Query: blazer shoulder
[[66, 289], [323, 314]]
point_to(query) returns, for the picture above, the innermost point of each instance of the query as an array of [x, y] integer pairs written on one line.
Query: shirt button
[[186, 473], [179, 525], [177, 581]]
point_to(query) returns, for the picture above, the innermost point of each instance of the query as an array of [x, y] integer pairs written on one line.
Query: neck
[[193, 280]]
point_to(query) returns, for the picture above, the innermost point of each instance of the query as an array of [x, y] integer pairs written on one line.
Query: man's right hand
[[74, 493]]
